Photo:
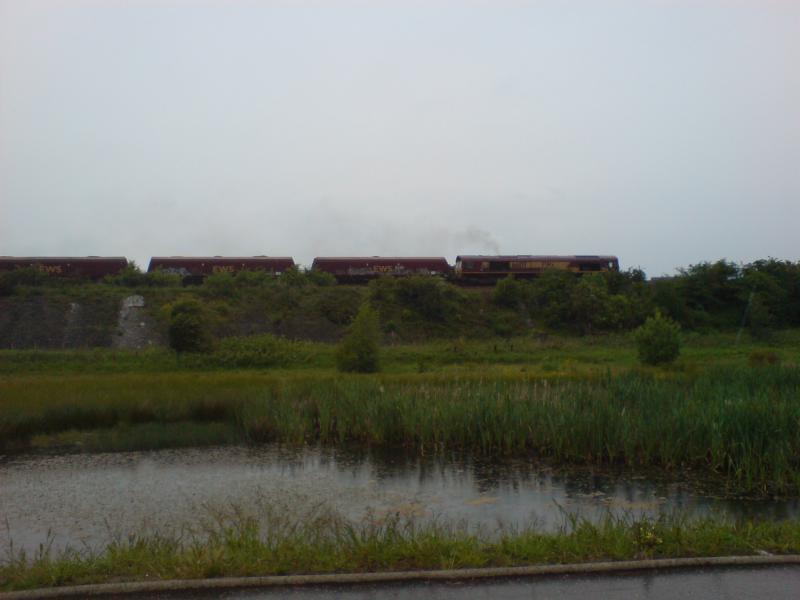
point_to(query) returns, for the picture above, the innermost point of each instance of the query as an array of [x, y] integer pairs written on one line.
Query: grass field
[[240, 545], [543, 354]]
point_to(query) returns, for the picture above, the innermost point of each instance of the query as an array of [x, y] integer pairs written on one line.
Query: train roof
[[542, 257], [61, 258], [432, 263], [206, 258], [324, 258]]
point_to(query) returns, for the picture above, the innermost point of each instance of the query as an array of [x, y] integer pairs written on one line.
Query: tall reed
[[741, 424]]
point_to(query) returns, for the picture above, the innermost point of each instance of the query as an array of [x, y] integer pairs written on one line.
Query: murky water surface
[[85, 500]]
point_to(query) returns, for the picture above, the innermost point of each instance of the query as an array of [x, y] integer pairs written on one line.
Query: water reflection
[[85, 499]]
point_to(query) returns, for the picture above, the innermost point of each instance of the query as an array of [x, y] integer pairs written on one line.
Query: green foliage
[[269, 538], [512, 293], [133, 277], [339, 304], [717, 295], [760, 320], [506, 322], [419, 299], [320, 278], [739, 423], [425, 295], [551, 293], [262, 351], [29, 276], [189, 326], [359, 351], [221, 284], [589, 304], [294, 277], [659, 340]]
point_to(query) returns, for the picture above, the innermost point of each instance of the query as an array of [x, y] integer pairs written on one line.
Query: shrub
[[511, 293], [220, 285], [132, 276], [20, 276], [359, 350], [339, 304], [424, 295], [759, 319], [320, 278], [293, 277], [658, 340], [589, 304], [417, 298], [551, 292], [505, 323], [189, 326], [247, 278]]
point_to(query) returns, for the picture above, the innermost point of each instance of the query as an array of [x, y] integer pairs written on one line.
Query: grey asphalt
[[760, 583]]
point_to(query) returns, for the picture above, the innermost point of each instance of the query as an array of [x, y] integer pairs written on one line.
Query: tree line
[[761, 296]]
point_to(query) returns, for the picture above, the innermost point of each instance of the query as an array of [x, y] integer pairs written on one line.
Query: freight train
[[468, 269]]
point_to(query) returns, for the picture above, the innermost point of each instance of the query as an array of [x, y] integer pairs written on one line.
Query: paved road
[[767, 583]]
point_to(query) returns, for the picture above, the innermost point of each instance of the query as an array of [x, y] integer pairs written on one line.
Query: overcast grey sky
[[666, 132]]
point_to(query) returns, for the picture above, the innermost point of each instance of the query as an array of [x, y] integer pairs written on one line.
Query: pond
[[84, 500]]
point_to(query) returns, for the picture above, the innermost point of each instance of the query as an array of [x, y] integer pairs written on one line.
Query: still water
[[84, 500]]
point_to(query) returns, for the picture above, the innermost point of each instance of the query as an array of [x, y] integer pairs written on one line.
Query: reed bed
[[742, 424], [236, 543]]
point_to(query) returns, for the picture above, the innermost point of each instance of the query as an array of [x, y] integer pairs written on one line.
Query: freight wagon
[[488, 269], [194, 269], [359, 269], [89, 267]]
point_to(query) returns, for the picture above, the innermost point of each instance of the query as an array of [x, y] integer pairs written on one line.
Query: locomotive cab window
[[590, 266]]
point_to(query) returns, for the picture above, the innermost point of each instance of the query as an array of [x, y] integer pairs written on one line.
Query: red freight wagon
[[356, 269], [197, 267], [491, 268], [90, 267]]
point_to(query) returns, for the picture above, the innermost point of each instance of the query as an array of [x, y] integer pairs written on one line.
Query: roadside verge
[[230, 583]]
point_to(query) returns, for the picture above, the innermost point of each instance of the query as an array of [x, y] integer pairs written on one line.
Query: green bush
[[658, 340], [132, 276], [511, 293], [320, 278], [415, 298], [550, 297], [20, 276], [590, 304], [360, 349], [425, 295], [221, 284], [339, 304], [189, 326], [759, 318]]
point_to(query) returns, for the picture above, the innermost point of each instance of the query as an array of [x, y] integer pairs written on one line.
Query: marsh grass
[[740, 424], [236, 543], [141, 436]]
